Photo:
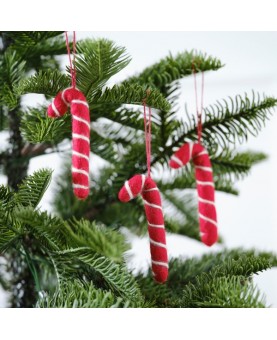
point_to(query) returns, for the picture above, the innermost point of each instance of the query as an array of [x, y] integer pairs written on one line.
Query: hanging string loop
[[147, 132], [199, 111], [72, 60]]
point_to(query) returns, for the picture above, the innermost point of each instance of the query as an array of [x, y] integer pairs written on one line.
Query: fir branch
[[229, 121], [223, 292], [185, 179], [184, 211], [78, 294], [131, 94], [96, 62], [48, 82], [12, 70], [114, 275], [171, 68], [235, 164], [36, 127], [189, 278], [31, 191], [30, 38], [102, 240]]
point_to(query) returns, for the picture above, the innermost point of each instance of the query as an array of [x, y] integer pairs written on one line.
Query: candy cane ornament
[[147, 188], [80, 135], [205, 187]]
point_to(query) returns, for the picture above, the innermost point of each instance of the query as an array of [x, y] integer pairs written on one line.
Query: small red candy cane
[[203, 174], [139, 184], [144, 185], [205, 187], [80, 128], [80, 135]]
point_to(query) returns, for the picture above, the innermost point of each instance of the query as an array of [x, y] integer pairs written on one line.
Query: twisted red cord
[[198, 111], [72, 62], [147, 132]]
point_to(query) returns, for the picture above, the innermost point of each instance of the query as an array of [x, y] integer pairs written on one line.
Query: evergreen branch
[[125, 117], [131, 94], [225, 122], [6, 196], [236, 164], [8, 237], [31, 191], [96, 62], [78, 294], [185, 179], [49, 232], [12, 70], [171, 68], [114, 275], [185, 212], [184, 278], [36, 127], [54, 234], [223, 292], [182, 228], [22, 39], [47, 82], [102, 240]]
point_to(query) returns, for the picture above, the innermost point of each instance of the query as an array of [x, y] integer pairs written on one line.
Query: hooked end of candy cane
[[123, 195], [131, 188], [58, 107], [182, 156], [173, 163]]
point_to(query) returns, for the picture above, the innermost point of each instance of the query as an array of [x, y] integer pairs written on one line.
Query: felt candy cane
[[80, 135], [205, 187], [140, 184], [203, 174], [144, 185], [75, 99]]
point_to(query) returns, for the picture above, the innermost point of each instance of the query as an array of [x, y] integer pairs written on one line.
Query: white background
[[250, 219]]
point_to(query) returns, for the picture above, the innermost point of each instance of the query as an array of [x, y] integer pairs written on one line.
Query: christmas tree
[[75, 257]]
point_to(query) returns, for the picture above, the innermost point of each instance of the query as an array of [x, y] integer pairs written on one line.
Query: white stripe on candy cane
[[204, 168], [79, 171], [158, 244], [177, 160], [152, 189], [156, 225], [142, 181], [190, 150], [205, 183], [205, 201], [78, 101], [152, 205], [57, 113], [78, 136], [202, 153], [81, 120], [159, 263], [79, 186], [127, 187], [63, 99], [208, 219], [78, 154]]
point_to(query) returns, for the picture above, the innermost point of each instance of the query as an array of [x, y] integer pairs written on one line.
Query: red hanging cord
[[72, 62], [198, 112], [147, 131]]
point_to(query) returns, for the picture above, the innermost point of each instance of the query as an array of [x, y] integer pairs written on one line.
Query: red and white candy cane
[[75, 99], [205, 187], [140, 184], [80, 135]]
